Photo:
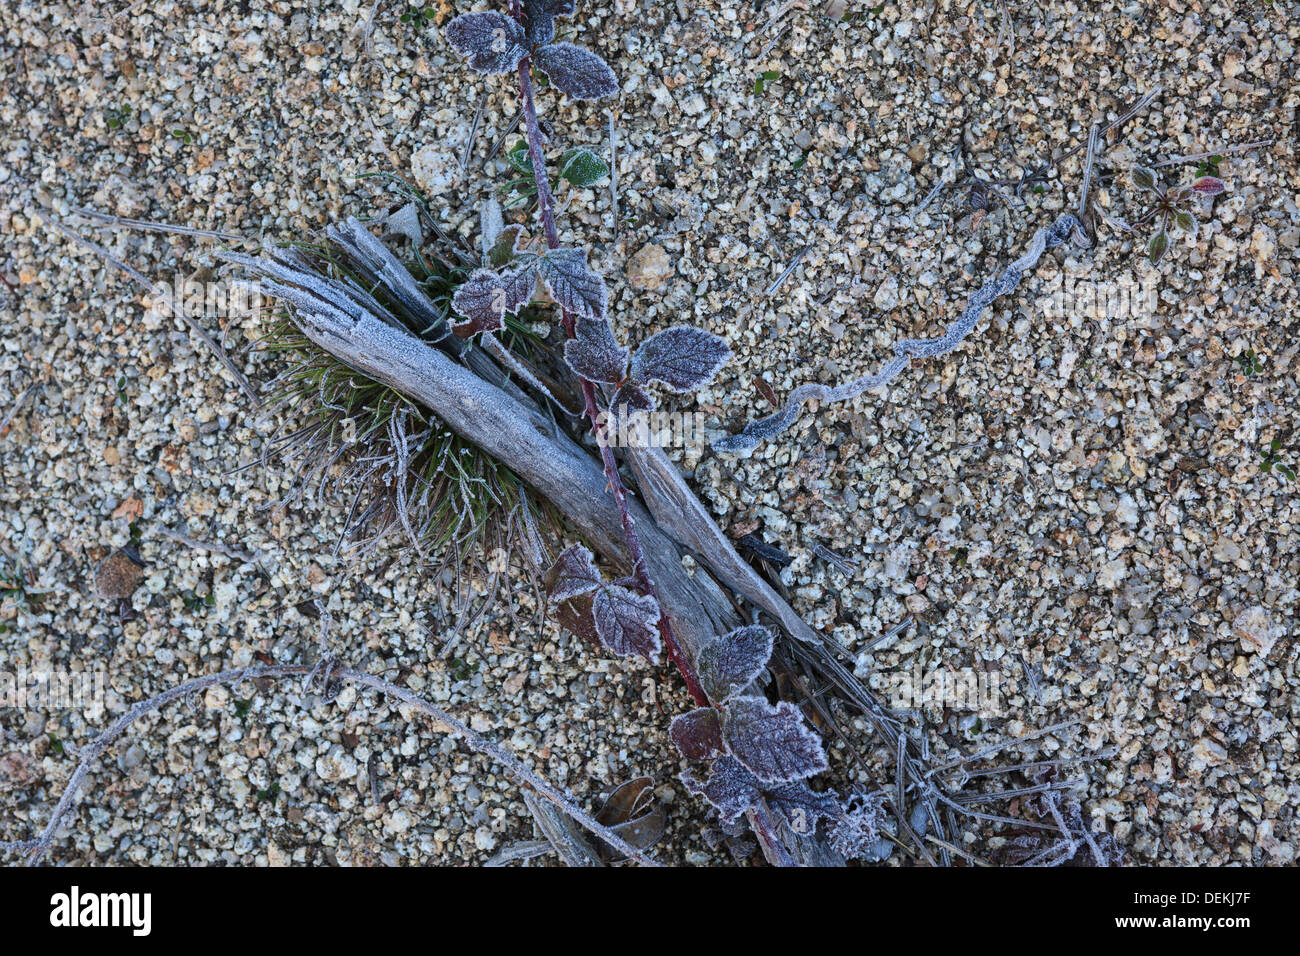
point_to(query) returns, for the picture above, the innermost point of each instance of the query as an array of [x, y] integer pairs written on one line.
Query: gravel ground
[[1072, 501]]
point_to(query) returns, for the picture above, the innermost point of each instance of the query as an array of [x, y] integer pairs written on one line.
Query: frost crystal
[[734, 661], [625, 621], [804, 807], [697, 734], [683, 358], [578, 72], [773, 742], [492, 42]]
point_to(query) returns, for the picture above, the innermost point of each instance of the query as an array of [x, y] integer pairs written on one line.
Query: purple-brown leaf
[[492, 42], [697, 734], [773, 742], [684, 358], [539, 18], [625, 621], [734, 661], [574, 284], [594, 354], [576, 71], [572, 574], [487, 295], [1208, 186], [730, 788]]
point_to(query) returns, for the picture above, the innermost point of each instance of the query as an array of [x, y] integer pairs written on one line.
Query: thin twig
[[22, 400], [1226, 150], [216, 547], [144, 225], [37, 848], [789, 270], [157, 290]]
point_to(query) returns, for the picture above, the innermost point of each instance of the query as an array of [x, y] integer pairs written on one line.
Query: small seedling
[[764, 78], [183, 136], [116, 118], [1173, 207], [1209, 166], [419, 17], [1251, 363], [1273, 462]]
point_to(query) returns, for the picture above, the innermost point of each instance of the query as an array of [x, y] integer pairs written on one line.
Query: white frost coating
[[906, 349], [383, 267]]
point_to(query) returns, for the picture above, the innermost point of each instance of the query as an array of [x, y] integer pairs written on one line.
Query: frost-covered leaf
[[804, 807], [582, 167], [539, 18], [857, 834], [490, 226], [730, 788], [1143, 178], [574, 284], [697, 734], [684, 358], [1208, 186], [487, 295], [625, 621], [734, 661], [506, 246], [576, 71], [491, 41], [1157, 247], [573, 573], [773, 742], [1185, 221], [594, 353], [481, 300], [631, 399]]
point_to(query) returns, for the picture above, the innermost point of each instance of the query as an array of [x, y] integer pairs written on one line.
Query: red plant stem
[[640, 572]]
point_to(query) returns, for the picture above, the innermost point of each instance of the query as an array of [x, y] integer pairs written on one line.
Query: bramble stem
[[546, 206]]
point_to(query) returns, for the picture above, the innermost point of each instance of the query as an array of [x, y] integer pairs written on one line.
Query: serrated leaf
[[697, 734], [1208, 186], [582, 167], [490, 226], [487, 295], [1157, 247], [1185, 221], [731, 789], [492, 42], [539, 18], [732, 662], [625, 621], [774, 743], [576, 71], [572, 574], [574, 284], [594, 353], [1143, 178], [684, 358], [506, 247], [804, 807]]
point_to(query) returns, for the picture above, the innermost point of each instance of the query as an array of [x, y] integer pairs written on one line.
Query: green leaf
[[518, 158], [582, 167], [1185, 221], [764, 78], [1143, 178], [1275, 444], [1158, 246]]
